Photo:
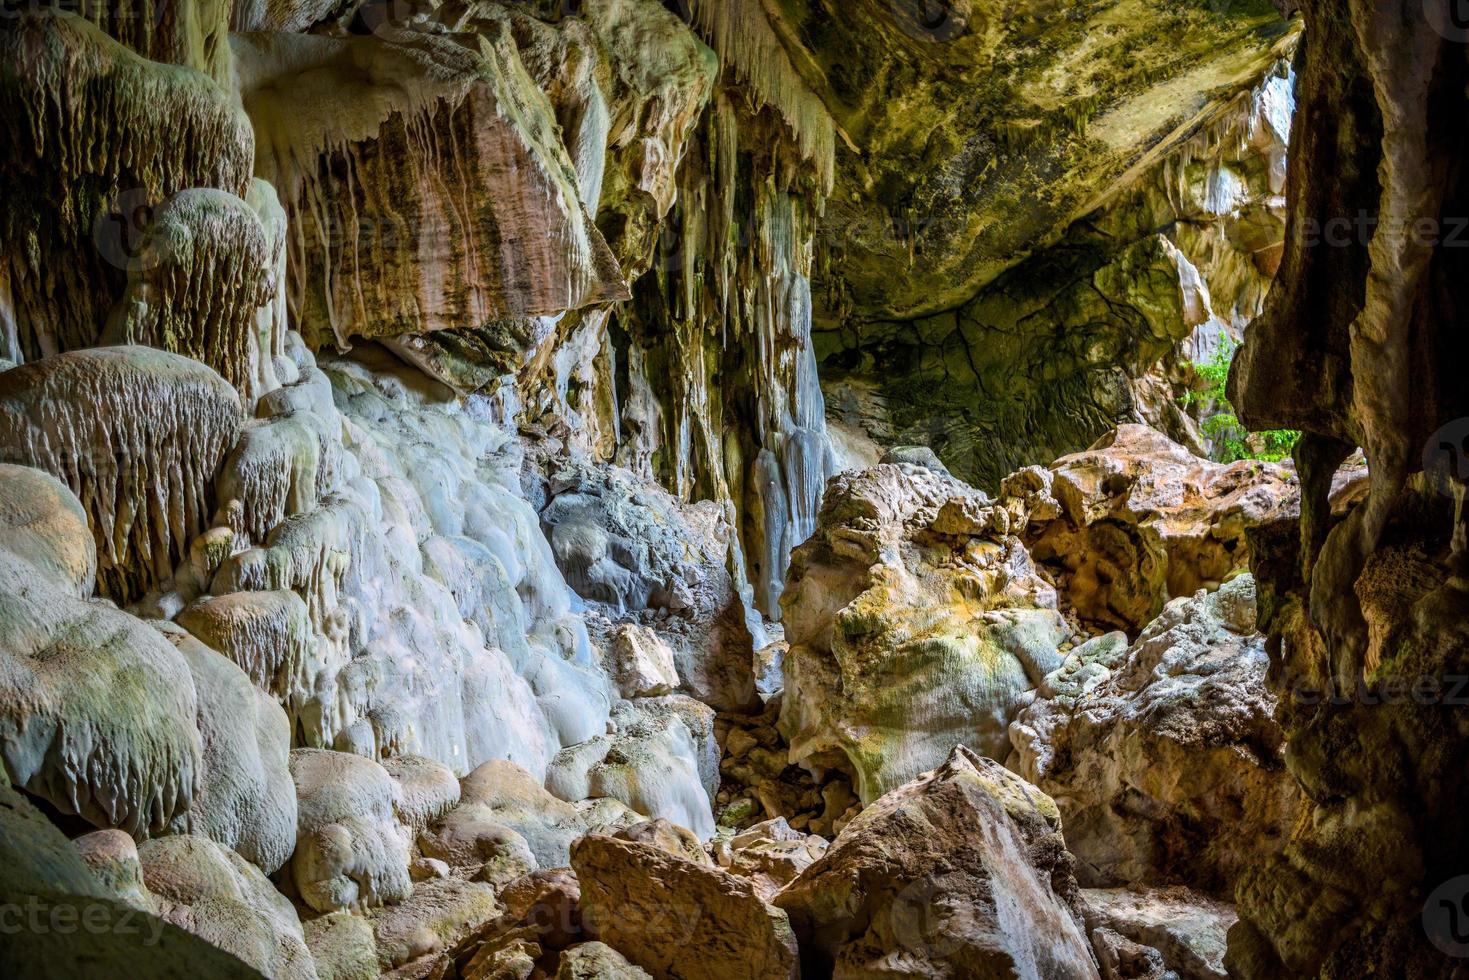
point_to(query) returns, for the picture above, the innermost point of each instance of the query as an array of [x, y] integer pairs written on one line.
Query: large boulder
[[246, 800], [228, 902], [77, 924], [662, 761], [960, 873], [513, 798], [1137, 520], [413, 114], [1165, 756], [677, 918], [916, 623], [642, 557], [97, 710]]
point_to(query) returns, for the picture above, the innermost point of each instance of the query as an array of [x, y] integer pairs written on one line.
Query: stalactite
[[137, 434], [741, 32], [431, 191]]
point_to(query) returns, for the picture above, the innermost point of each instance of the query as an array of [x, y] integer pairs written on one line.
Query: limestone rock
[[675, 918], [548, 824], [342, 946], [98, 711], [640, 663], [81, 928], [137, 435], [635, 551], [475, 845], [436, 916], [960, 873], [204, 273], [1143, 520], [426, 789], [1187, 929], [349, 852], [772, 855], [909, 635], [43, 523], [113, 858], [437, 260], [97, 135], [676, 840], [597, 961], [1165, 757], [660, 762], [228, 902], [246, 800]]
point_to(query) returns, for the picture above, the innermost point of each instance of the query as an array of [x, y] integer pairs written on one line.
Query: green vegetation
[[1222, 427]]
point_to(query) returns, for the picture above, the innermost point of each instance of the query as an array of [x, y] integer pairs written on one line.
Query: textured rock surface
[[916, 624], [98, 709], [204, 272], [661, 761], [1138, 520], [411, 115], [676, 918], [246, 800], [1359, 349], [1187, 930], [96, 933], [95, 137], [349, 851], [137, 435], [959, 873], [641, 556], [226, 901], [1165, 757]]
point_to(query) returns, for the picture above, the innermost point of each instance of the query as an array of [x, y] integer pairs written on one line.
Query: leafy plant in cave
[[1227, 437]]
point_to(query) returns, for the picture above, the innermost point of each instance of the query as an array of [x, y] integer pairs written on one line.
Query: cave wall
[[1359, 346]]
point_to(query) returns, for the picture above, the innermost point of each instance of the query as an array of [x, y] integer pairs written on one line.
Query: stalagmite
[[97, 709], [201, 280]]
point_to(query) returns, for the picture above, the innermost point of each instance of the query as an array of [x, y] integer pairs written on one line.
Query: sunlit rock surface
[[1164, 757], [962, 872], [1137, 520], [916, 622]]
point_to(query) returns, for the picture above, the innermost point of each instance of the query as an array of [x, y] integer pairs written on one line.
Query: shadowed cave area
[[723, 489]]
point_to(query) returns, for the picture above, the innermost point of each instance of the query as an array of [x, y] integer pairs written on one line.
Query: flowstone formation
[[644, 490]]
